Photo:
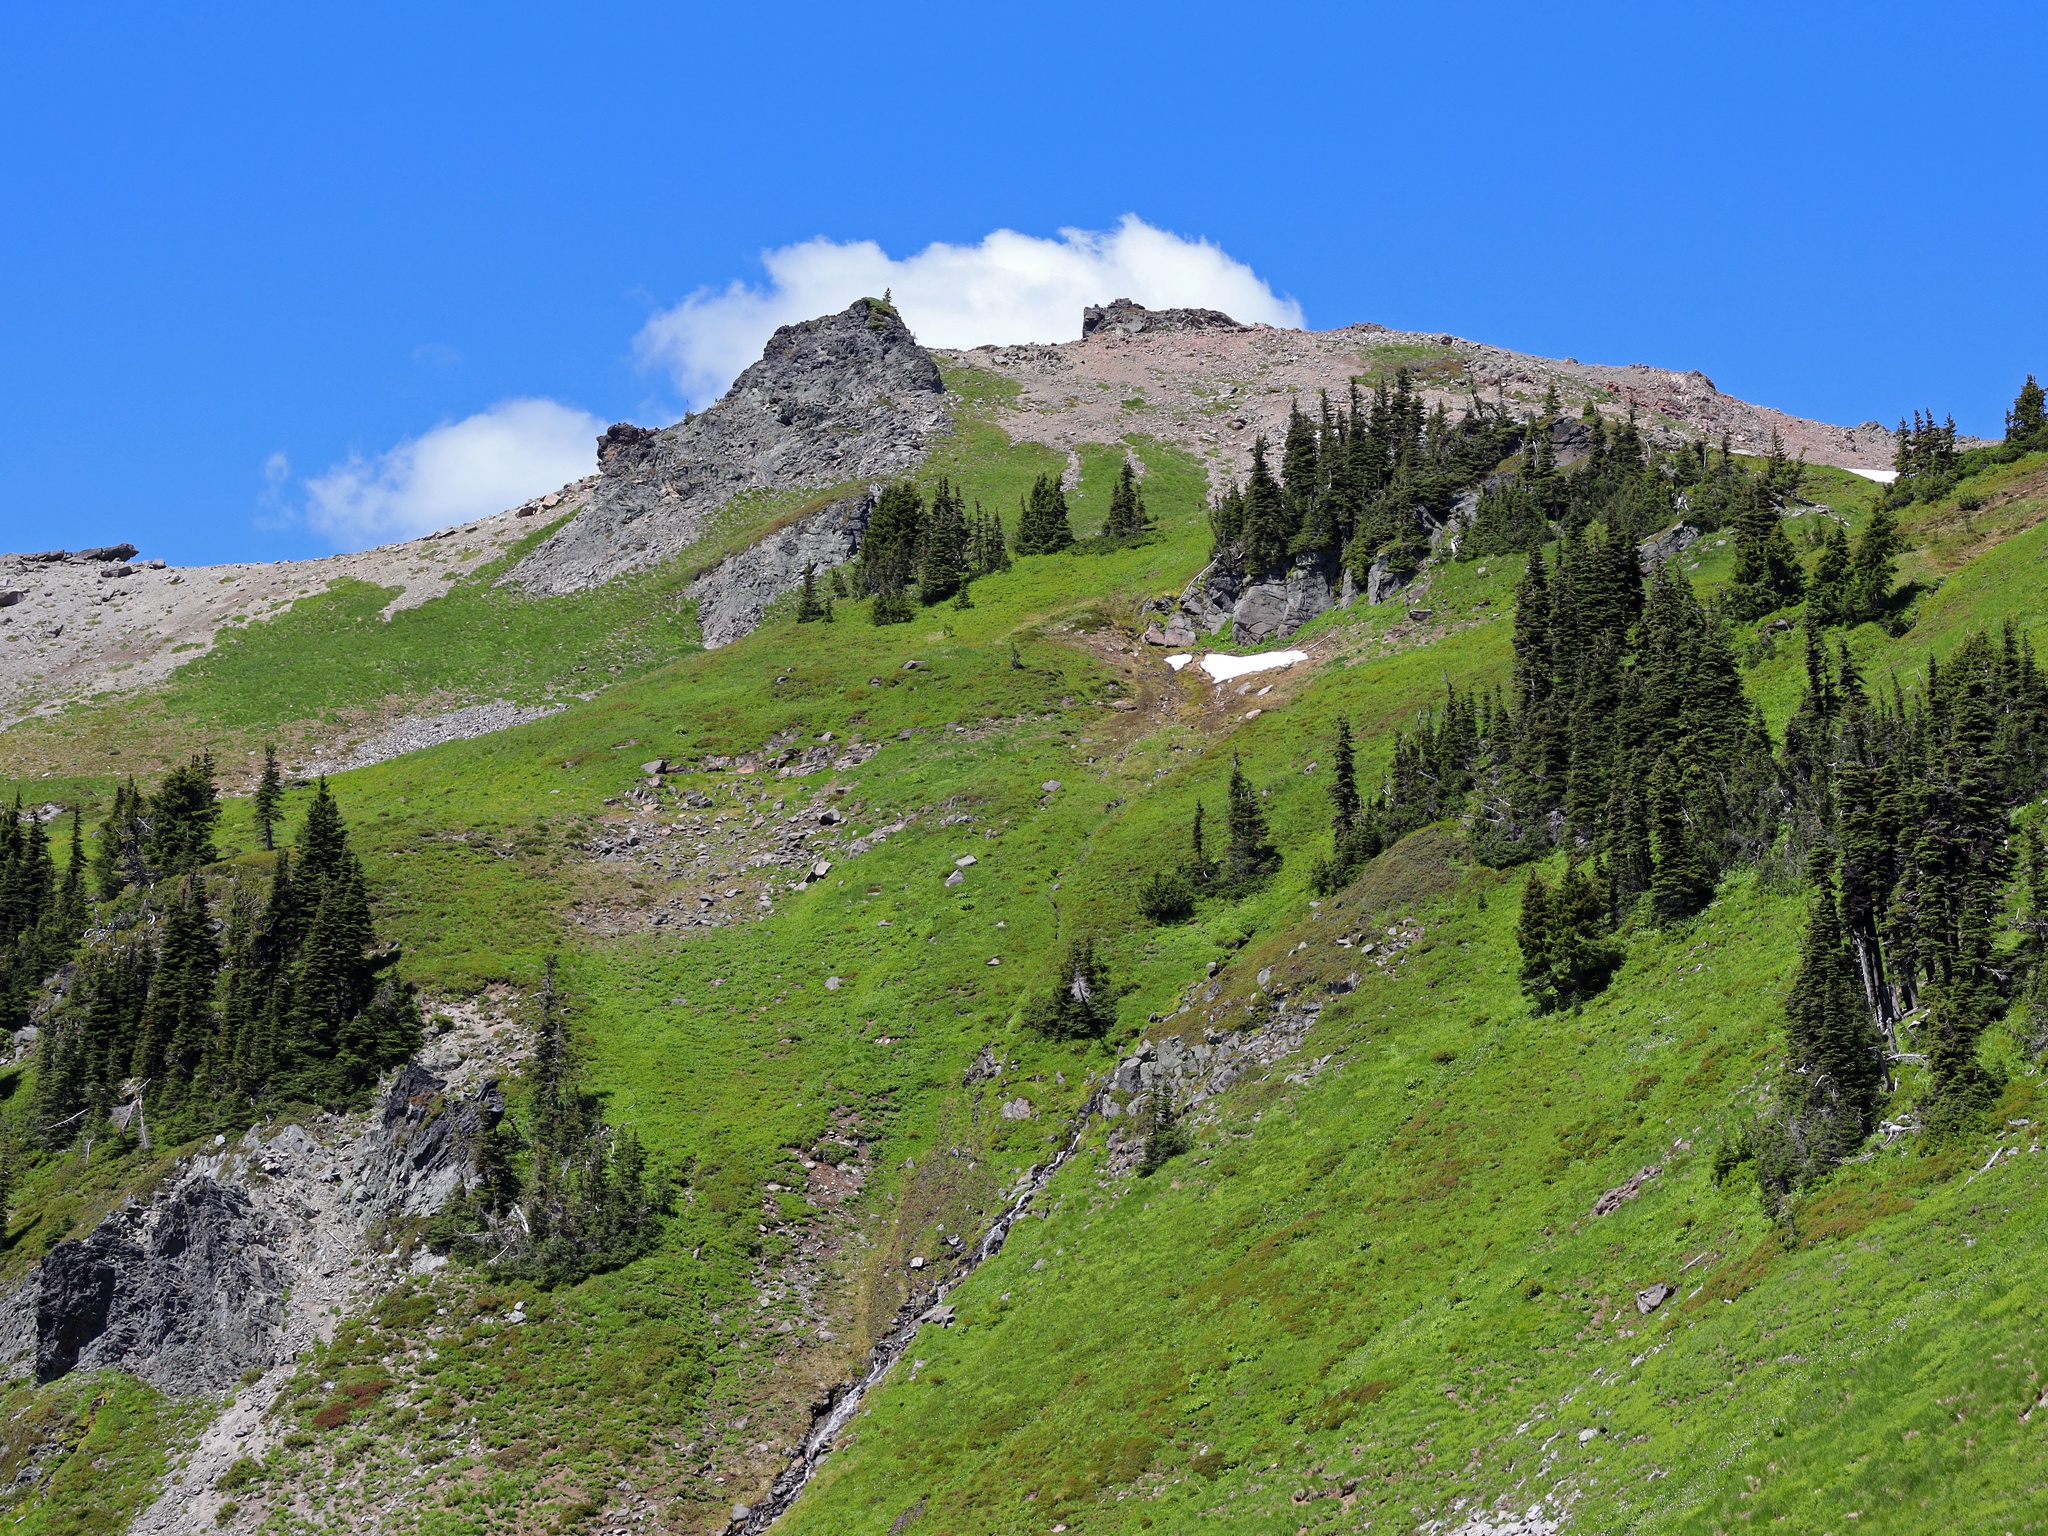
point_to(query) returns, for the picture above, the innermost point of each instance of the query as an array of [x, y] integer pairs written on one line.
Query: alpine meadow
[[1208, 927]]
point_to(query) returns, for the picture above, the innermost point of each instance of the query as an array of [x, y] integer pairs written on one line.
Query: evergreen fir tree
[[1963, 1001], [1873, 565], [178, 1023], [1834, 1051], [1127, 516], [1226, 523], [1042, 525], [1680, 883], [2028, 418], [1250, 856], [1767, 576], [1082, 1005], [71, 893], [810, 607], [322, 842], [1267, 529], [1827, 593], [942, 552], [267, 804]]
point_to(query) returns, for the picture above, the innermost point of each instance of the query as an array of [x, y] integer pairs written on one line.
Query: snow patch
[[1222, 668]]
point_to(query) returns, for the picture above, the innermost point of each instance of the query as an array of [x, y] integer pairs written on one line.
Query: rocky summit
[[1197, 927], [846, 398]]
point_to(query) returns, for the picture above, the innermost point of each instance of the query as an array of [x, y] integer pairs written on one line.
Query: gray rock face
[[1675, 540], [1385, 579], [185, 1292], [732, 596], [189, 1289], [846, 397], [1267, 609], [1122, 317]]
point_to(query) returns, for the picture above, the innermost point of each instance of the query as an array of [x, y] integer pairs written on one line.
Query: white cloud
[[1009, 288], [458, 471]]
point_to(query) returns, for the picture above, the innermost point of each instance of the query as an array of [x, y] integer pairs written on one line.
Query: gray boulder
[[847, 397]]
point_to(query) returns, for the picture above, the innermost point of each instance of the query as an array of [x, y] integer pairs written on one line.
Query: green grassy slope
[[1380, 1285]]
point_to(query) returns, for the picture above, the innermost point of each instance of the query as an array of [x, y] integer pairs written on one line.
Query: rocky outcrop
[[1269, 608], [847, 397], [732, 595], [1675, 540], [249, 1252], [1121, 317], [185, 1292]]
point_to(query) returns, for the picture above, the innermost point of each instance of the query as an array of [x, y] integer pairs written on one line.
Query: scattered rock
[[1614, 1199], [1018, 1109], [1651, 1297]]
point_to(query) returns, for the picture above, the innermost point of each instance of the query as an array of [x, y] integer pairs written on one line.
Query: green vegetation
[[82, 1456], [1586, 937]]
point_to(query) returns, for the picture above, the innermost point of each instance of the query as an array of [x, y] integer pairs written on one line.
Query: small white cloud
[[1010, 288], [461, 470]]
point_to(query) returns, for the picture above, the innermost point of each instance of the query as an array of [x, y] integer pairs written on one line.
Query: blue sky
[[244, 244]]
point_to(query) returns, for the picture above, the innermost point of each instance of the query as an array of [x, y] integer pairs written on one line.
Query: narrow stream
[[846, 1400]]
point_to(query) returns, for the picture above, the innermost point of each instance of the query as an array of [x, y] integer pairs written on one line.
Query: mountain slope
[[1375, 1288]]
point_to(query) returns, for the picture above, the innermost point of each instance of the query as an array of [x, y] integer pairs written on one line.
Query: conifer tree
[[811, 608], [1357, 837], [1268, 531], [1827, 593], [942, 554], [1042, 524], [1250, 856], [1873, 565], [1680, 883], [1532, 937], [1226, 523], [1127, 516], [1081, 1005], [178, 1022], [987, 550], [71, 896], [1767, 576], [117, 854], [1962, 1002], [266, 806], [322, 843], [2028, 418], [1833, 1049]]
